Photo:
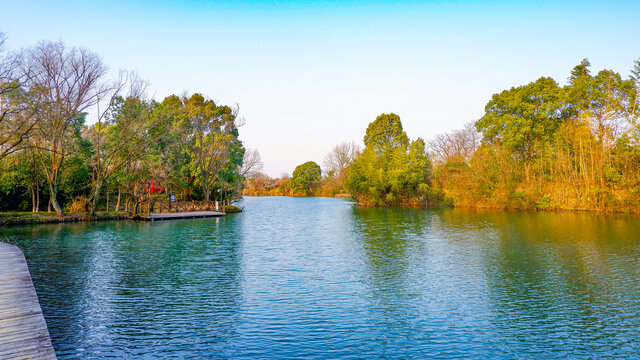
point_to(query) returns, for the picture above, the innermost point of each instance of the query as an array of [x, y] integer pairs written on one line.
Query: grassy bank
[[231, 209], [24, 218]]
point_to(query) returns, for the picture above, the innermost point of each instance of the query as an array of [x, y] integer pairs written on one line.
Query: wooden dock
[[23, 330], [181, 215]]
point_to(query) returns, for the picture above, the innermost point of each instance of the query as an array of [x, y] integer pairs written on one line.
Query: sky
[[310, 75]]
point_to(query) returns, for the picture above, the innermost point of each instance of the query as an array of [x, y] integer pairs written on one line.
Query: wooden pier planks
[[23, 330]]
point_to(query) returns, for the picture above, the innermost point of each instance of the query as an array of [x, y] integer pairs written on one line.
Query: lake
[[322, 278]]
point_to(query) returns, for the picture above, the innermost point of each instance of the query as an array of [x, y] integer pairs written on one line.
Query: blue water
[[322, 278]]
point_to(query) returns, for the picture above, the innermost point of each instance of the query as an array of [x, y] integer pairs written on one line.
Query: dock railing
[[160, 206]]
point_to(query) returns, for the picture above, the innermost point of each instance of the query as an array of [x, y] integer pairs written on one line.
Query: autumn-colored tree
[[546, 147]]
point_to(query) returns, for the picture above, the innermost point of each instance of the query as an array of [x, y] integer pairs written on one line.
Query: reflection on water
[[321, 278], [129, 289]]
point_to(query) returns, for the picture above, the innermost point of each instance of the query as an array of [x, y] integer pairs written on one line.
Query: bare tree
[[15, 124], [610, 103], [61, 84], [339, 158], [456, 146], [635, 80], [251, 164]]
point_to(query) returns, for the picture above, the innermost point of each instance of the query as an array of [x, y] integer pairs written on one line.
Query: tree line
[[390, 170], [537, 146], [52, 157], [81, 142], [552, 147]]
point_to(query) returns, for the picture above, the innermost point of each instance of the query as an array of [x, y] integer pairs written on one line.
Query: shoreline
[[481, 207], [29, 218], [15, 218]]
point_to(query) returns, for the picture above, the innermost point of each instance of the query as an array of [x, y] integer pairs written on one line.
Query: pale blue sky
[[310, 75]]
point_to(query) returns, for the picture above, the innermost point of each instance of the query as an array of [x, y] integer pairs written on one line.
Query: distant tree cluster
[[537, 146], [391, 170], [546, 146], [137, 146], [306, 177]]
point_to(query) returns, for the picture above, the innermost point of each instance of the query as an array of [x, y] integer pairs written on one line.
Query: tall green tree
[[390, 170], [524, 119], [209, 133], [230, 178], [306, 177], [578, 88], [385, 132]]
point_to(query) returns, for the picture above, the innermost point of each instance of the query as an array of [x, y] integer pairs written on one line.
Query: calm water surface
[[321, 278]]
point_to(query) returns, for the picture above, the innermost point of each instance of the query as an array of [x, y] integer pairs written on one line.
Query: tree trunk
[[118, 202], [95, 198], [33, 199], [37, 209], [107, 197], [135, 208], [54, 200]]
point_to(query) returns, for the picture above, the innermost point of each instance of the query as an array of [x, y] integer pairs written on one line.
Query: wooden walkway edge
[[181, 215], [23, 329]]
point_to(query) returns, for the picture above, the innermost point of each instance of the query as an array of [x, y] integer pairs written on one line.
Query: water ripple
[[320, 278]]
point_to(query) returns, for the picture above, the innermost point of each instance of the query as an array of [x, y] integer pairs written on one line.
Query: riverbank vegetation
[[391, 170], [550, 147], [73, 140], [327, 183], [538, 146], [27, 218]]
